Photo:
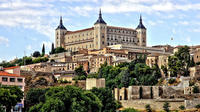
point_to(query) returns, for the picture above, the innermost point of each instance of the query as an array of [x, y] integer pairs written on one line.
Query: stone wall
[[93, 82], [155, 104], [189, 104]]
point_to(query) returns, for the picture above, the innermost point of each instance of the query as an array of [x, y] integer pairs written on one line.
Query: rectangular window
[[19, 79], [4, 79], [12, 79]]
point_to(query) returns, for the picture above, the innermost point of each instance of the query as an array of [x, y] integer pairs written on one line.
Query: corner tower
[[60, 34], [141, 33], [100, 33]]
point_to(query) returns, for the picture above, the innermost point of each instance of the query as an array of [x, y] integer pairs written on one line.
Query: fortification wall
[[155, 104], [189, 104]]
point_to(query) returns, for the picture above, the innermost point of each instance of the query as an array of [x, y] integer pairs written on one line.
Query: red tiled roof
[[81, 30], [2, 73], [115, 27], [11, 67]]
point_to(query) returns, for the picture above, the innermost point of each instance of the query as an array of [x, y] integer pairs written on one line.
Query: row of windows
[[5, 79], [125, 40], [80, 35], [121, 31], [76, 48], [77, 40]]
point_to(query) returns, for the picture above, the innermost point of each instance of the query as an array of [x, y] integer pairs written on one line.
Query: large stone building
[[99, 36]]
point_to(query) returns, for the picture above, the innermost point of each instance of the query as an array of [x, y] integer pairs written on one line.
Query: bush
[[148, 108], [197, 106], [36, 54], [166, 107], [171, 81], [130, 110], [182, 107], [64, 81], [195, 89]]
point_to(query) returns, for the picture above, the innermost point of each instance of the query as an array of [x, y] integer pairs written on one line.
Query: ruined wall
[[155, 104], [189, 104], [94, 82]]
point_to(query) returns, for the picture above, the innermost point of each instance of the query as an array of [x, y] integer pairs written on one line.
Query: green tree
[[59, 50], [107, 99], [53, 105], [195, 89], [165, 70], [10, 96], [35, 96], [65, 99], [126, 78], [182, 107], [36, 54], [166, 107], [197, 106], [148, 108], [192, 63], [43, 50], [180, 62], [1, 108], [36, 107], [81, 74], [156, 71], [130, 110], [52, 49]]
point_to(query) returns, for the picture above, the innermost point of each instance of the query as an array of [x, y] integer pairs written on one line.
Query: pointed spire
[[61, 20], [100, 16], [140, 18], [140, 26], [100, 19], [61, 26]]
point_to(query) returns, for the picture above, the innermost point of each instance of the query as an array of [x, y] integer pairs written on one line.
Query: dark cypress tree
[[43, 50], [52, 49]]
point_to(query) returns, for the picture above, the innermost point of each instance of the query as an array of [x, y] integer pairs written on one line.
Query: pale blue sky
[[26, 24]]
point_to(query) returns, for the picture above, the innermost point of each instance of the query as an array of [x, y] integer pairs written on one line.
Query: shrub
[[171, 81], [182, 107], [148, 108], [197, 106], [195, 89], [166, 107], [130, 110]]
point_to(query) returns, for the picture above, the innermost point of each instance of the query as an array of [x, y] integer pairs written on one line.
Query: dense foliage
[[36, 54], [126, 74], [180, 62], [10, 96], [24, 61], [166, 107], [80, 73], [130, 110], [57, 50], [107, 99], [70, 99]]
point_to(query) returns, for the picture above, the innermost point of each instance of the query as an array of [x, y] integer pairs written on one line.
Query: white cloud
[[4, 41], [188, 39], [29, 47], [183, 22]]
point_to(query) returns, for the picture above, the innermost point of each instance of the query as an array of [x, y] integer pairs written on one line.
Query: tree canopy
[[36, 54], [10, 96], [63, 99], [180, 62]]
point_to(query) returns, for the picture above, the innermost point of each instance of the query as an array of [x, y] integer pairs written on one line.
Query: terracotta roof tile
[[11, 67], [2, 73], [81, 30]]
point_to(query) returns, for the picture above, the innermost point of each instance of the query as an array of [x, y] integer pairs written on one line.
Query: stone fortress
[[101, 43], [99, 36]]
